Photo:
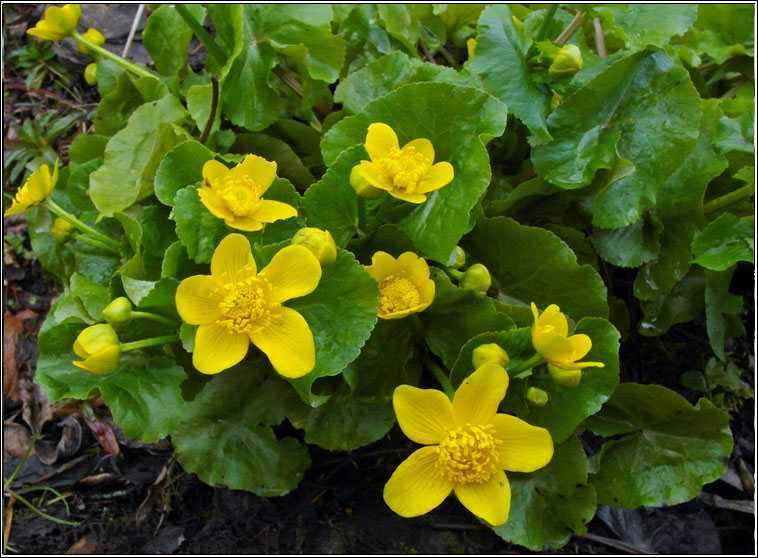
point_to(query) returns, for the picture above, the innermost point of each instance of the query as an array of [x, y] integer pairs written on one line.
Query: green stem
[[95, 243], [114, 57], [440, 375], [29, 505], [514, 370], [728, 199], [546, 23], [453, 273], [202, 35], [151, 342], [154, 317], [66, 216]]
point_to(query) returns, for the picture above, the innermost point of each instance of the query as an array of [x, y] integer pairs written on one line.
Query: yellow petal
[[103, 362], [426, 295], [37, 186], [525, 448], [552, 316], [214, 172], [293, 271], [270, 211], [244, 223], [438, 176], [417, 486], [489, 500], [97, 337], [580, 345], [53, 180], [478, 397], [288, 343], [554, 348], [376, 176], [43, 31], [214, 204], [415, 268], [232, 255], [59, 19], [79, 350], [535, 313], [382, 266], [413, 198], [17, 208], [424, 415], [423, 146], [380, 141], [197, 299], [259, 170], [218, 348]]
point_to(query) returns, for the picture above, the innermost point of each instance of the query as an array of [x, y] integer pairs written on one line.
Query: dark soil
[[142, 502]]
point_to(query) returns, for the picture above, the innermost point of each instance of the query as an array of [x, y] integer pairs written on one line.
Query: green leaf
[[682, 304], [199, 230], [55, 258], [132, 156], [632, 245], [551, 504], [77, 186], [182, 166], [442, 113], [649, 24], [455, 316], [86, 147], [542, 270], [365, 41], [671, 449], [719, 301], [501, 62], [94, 296], [725, 30], [725, 241], [400, 24], [639, 117], [121, 96], [232, 416], [167, 37]]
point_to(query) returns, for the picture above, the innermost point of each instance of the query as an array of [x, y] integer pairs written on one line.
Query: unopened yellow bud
[[90, 74], [536, 396], [319, 242], [362, 186], [471, 47], [565, 377], [61, 230], [476, 278], [489, 353], [457, 259], [93, 36], [99, 346], [567, 62], [118, 312]]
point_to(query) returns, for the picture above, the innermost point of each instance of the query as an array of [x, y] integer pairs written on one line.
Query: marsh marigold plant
[[236, 305], [407, 173], [235, 195], [404, 284], [468, 446]]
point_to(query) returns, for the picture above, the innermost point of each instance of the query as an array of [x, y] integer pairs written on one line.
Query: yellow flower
[[57, 23], [404, 284], [235, 306], [408, 173], [92, 35], [35, 190], [98, 345], [551, 341], [468, 446], [235, 195]]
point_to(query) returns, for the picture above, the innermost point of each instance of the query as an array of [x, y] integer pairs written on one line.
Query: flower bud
[[476, 278], [99, 346], [362, 186], [118, 312], [564, 377], [567, 62], [489, 353], [319, 242], [61, 230], [92, 35], [457, 259], [471, 47], [90, 74], [536, 396]]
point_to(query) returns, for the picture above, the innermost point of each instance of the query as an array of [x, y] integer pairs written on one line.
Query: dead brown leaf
[[104, 435], [13, 328], [16, 440], [86, 545], [37, 409]]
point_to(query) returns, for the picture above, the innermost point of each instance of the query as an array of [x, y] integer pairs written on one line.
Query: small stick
[[133, 30], [599, 38], [570, 28], [214, 106]]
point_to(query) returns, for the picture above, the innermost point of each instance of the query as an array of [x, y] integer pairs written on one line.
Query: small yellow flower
[[98, 345], [35, 190], [468, 446], [404, 284], [550, 339], [235, 195], [408, 173], [92, 35], [235, 306], [57, 23]]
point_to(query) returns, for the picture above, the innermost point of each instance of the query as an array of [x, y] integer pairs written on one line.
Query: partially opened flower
[[99, 346], [407, 173], [467, 447], [236, 195], [550, 339], [404, 284], [57, 23], [35, 190], [235, 306]]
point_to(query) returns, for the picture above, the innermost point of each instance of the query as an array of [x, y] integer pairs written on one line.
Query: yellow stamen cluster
[[247, 305], [397, 293], [469, 454], [406, 167], [240, 194]]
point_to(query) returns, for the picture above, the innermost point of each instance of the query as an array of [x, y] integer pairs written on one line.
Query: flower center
[[240, 194], [247, 306], [469, 454], [397, 293], [406, 167]]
